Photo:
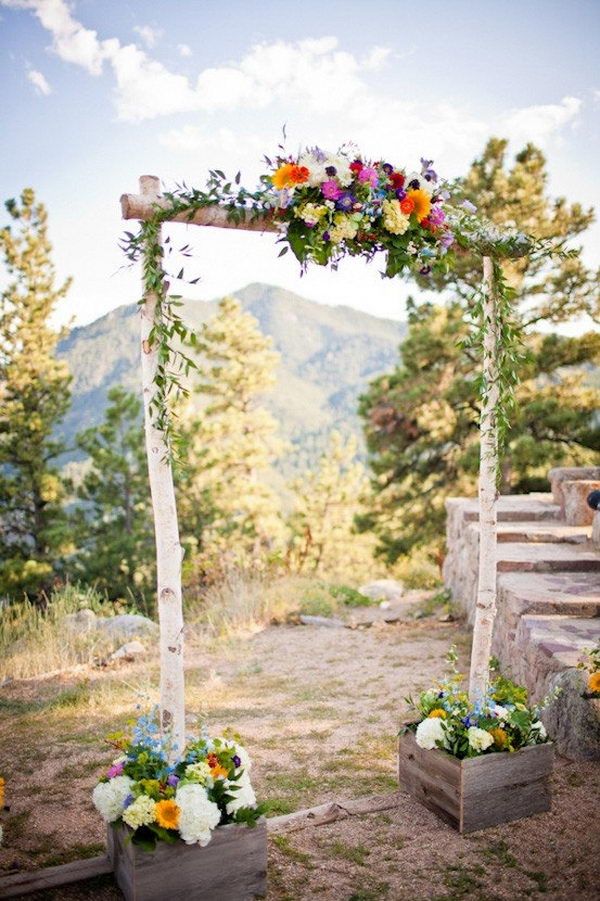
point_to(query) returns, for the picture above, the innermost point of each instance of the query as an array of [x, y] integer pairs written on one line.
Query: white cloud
[[149, 35], [184, 50], [538, 123], [38, 80], [376, 58]]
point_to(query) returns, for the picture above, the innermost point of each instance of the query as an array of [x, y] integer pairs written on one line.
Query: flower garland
[[449, 722], [209, 786], [327, 206]]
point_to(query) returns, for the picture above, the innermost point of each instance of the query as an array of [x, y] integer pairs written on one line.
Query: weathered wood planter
[[232, 867], [480, 791]]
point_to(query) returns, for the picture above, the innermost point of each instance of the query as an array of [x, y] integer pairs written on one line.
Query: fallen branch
[[332, 812]]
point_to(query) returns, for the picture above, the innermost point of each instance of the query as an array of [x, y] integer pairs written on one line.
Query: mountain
[[328, 356]]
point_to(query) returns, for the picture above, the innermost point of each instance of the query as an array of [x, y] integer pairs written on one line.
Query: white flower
[[539, 728], [500, 711], [316, 169], [479, 739], [430, 731], [424, 185], [199, 772], [109, 797], [244, 796], [140, 812], [343, 172], [199, 815]]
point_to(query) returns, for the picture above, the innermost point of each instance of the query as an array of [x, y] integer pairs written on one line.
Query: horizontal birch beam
[[136, 206]]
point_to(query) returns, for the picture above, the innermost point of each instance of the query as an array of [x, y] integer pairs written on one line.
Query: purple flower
[[427, 172], [331, 190], [368, 174], [128, 800], [331, 171], [237, 761], [424, 270], [437, 215], [115, 770], [387, 168], [447, 240], [172, 780], [468, 206], [400, 193], [326, 236], [469, 720], [345, 201]]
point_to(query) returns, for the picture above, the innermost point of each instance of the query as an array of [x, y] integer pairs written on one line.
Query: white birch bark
[[485, 611], [166, 530]]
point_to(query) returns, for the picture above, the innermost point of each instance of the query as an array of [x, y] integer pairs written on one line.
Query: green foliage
[[422, 419], [115, 540], [230, 514], [34, 396]]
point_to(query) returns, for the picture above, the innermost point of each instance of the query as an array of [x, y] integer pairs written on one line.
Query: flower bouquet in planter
[[476, 765], [174, 822]]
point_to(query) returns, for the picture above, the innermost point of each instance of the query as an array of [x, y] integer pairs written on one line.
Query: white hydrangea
[[109, 797], [429, 732], [539, 730], [199, 815], [244, 796], [479, 739], [140, 812]]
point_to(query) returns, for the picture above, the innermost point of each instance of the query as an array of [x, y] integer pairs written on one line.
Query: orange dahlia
[[167, 814], [289, 175], [218, 772], [422, 203], [439, 713], [594, 682]]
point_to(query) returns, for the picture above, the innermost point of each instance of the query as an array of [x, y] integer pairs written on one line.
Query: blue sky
[[97, 93]]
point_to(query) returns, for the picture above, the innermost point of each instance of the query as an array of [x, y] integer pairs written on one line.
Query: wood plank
[[492, 772], [432, 777], [232, 867], [52, 877], [332, 812], [134, 206]]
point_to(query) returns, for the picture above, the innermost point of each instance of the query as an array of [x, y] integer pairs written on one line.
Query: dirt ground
[[318, 708]]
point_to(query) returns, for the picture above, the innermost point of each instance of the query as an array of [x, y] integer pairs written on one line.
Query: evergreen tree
[[116, 541], [327, 501], [229, 511], [422, 420], [34, 397]]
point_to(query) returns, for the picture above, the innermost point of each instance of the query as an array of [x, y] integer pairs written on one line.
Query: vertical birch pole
[[166, 529], [485, 610]]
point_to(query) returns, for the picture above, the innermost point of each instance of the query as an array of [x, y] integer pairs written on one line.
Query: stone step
[[566, 594], [511, 508], [544, 531], [560, 639], [547, 557]]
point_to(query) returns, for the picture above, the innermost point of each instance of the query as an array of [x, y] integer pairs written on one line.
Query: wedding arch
[[323, 207]]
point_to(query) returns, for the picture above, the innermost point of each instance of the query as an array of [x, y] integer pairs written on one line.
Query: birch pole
[[166, 529], [485, 610]]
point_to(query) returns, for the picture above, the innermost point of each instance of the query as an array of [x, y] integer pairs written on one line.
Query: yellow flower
[[344, 227], [594, 682], [438, 712], [218, 772], [167, 814], [394, 219], [422, 203], [500, 736], [282, 177]]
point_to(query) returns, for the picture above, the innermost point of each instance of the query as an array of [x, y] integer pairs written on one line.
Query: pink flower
[[331, 190], [368, 174], [437, 216], [115, 770]]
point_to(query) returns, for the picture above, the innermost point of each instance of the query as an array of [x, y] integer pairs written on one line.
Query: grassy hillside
[[328, 355]]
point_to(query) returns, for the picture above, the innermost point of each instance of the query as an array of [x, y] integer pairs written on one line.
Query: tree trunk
[[166, 530], [485, 611]]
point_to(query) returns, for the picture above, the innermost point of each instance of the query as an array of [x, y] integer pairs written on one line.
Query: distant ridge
[[328, 356]]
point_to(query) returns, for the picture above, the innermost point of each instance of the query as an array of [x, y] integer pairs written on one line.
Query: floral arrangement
[[448, 721], [591, 664], [334, 204], [207, 787]]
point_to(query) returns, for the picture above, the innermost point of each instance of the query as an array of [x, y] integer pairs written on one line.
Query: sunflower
[[167, 814], [500, 736], [594, 682], [289, 175], [439, 713], [422, 203]]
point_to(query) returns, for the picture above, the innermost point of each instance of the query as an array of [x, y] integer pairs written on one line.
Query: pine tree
[[422, 420], [116, 541], [34, 397], [228, 508], [327, 501]]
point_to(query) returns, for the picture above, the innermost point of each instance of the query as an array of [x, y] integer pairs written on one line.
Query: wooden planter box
[[232, 867], [480, 791]]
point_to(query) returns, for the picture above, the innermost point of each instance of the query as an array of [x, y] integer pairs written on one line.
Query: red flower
[[299, 174], [356, 166], [407, 205], [397, 180]]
